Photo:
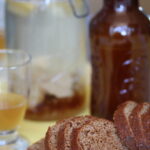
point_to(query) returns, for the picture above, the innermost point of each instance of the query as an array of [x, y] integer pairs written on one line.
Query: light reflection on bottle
[[128, 80], [120, 8], [123, 29], [127, 62], [124, 91]]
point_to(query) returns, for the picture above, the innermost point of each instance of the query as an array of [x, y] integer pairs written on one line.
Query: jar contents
[[2, 40], [120, 43], [56, 93], [53, 108]]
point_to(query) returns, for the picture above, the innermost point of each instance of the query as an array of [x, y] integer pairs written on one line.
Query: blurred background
[[95, 5], [59, 77]]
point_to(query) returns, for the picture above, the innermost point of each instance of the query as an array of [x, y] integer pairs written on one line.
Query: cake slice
[[52, 135], [146, 125], [65, 135], [99, 134], [121, 120], [137, 126], [37, 146]]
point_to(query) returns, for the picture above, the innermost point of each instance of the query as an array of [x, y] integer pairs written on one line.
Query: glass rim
[[26, 61]]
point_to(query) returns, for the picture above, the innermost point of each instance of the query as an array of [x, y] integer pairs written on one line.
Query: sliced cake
[[121, 120], [52, 135], [65, 135], [137, 126], [99, 134], [146, 125]]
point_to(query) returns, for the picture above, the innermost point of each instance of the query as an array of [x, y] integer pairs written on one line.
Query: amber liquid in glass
[[2, 40], [120, 45], [12, 110]]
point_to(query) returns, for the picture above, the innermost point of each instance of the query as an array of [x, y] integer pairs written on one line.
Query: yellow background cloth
[[35, 130]]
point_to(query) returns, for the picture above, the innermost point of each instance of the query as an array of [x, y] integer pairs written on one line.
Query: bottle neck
[[120, 4]]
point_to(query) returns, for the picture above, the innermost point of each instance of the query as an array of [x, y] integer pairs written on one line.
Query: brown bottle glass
[[120, 45]]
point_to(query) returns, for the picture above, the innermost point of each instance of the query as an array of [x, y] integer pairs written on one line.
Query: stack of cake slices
[[129, 131]]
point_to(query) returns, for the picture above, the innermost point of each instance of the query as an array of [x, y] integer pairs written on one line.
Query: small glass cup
[[14, 91]]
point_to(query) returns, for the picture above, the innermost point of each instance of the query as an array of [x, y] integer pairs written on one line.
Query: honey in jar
[[2, 40]]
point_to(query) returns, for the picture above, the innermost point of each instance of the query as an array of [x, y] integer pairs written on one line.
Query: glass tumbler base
[[20, 144]]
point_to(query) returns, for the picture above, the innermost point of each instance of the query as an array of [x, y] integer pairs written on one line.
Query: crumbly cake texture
[[146, 125], [136, 124], [99, 134], [52, 135], [65, 135], [121, 121]]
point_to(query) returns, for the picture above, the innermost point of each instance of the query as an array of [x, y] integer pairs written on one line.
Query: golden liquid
[[2, 40], [12, 110]]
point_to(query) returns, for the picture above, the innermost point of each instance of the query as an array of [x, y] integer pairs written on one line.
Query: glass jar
[[54, 32]]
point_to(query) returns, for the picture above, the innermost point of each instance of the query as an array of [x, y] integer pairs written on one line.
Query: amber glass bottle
[[120, 45]]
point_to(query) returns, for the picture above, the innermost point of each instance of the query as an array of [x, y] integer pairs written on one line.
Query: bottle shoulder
[[134, 21]]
